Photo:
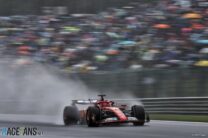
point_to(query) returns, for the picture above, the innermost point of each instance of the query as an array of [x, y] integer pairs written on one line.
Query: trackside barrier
[[177, 105]]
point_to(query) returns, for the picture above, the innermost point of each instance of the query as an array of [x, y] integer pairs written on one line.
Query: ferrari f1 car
[[100, 112]]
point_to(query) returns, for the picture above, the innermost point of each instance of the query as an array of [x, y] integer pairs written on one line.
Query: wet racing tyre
[[93, 116], [70, 115], [138, 112]]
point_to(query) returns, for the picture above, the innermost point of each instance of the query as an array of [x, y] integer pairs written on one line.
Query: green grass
[[193, 118]]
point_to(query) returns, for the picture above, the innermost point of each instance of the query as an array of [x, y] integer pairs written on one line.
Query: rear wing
[[93, 101], [84, 102]]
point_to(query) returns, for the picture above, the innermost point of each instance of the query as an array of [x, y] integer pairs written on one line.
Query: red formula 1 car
[[100, 112]]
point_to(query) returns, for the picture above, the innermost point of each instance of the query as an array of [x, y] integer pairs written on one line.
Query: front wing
[[116, 120]]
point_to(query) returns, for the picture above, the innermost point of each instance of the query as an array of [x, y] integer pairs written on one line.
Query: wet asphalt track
[[154, 129]]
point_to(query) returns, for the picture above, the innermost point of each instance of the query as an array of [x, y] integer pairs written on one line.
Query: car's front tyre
[[93, 116], [138, 112]]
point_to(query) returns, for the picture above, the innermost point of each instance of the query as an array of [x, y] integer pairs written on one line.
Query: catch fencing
[[150, 83]]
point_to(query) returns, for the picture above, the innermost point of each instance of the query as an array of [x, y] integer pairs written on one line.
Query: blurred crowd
[[163, 34]]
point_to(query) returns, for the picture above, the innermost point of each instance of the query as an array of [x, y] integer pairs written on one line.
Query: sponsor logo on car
[[132, 119], [111, 119]]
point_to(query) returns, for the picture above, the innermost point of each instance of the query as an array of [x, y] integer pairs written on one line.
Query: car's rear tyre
[[93, 116], [70, 115], [138, 112]]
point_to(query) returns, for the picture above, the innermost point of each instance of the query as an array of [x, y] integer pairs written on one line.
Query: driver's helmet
[[106, 103]]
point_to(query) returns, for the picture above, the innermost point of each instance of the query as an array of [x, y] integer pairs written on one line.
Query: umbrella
[[23, 52], [172, 7], [161, 26], [70, 50], [130, 18], [202, 63], [197, 26], [71, 29], [24, 48], [112, 34], [112, 52], [200, 39], [23, 61], [101, 58], [186, 30], [192, 16], [127, 43], [204, 50]]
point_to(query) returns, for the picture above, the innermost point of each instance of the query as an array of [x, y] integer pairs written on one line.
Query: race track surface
[[154, 129]]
